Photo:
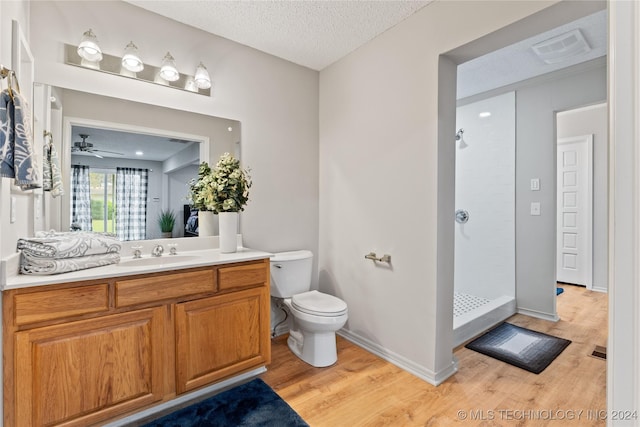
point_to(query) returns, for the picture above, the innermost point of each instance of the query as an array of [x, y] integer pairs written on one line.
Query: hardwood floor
[[363, 390]]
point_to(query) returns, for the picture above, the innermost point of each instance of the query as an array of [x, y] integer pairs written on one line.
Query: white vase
[[228, 224], [206, 223]]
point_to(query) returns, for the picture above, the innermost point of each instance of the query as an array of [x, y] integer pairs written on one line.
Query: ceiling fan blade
[[96, 154], [110, 152]]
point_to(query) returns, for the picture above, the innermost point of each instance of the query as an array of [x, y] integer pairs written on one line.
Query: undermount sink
[[161, 260]]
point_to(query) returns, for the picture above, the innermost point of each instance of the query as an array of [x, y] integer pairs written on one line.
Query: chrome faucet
[[137, 251], [157, 250]]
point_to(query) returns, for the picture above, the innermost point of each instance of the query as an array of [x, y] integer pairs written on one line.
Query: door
[[574, 210], [84, 372], [221, 336]]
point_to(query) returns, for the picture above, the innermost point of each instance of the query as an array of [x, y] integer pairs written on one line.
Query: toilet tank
[[291, 273]]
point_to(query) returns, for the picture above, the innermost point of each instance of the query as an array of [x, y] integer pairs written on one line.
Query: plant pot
[[167, 234], [228, 224], [206, 223]]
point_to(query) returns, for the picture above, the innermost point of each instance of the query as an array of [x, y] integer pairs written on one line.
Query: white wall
[[592, 120], [536, 105], [485, 187], [386, 169], [276, 102]]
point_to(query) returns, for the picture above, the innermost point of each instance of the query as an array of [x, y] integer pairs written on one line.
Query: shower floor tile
[[464, 303]]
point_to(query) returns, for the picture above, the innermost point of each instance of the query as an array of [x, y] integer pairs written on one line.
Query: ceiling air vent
[[562, 47]]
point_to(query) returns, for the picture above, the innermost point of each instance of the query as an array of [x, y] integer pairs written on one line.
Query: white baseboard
[[539, 314], [434, 378]]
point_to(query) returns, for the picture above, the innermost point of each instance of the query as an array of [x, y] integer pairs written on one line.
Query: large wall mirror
[[98, 137]]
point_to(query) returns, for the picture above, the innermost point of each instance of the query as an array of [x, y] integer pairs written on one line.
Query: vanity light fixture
[[130, 65], [190, 85], [168, 70], [88, 48], [131, 60], [202, 79]]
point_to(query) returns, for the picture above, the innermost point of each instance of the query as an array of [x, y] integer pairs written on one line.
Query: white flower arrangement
[[223, 189]]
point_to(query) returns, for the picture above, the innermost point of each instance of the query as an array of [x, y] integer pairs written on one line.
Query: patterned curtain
[[131, 203], [81, 198]]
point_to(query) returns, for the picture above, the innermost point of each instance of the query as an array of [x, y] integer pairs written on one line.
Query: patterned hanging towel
[[51, 175], [6, 136], [17, 155]]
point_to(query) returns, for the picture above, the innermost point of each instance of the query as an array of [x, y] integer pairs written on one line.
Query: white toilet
[[316, 316]]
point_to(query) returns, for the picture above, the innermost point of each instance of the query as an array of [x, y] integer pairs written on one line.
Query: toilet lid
[[319, 304]]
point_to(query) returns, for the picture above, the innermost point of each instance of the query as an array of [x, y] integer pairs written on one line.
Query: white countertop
[[192, 252]]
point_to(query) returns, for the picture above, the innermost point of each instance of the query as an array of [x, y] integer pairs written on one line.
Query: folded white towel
[[45, 266], [62, 245]]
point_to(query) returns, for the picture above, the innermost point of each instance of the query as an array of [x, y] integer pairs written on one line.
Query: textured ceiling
[[310, 33]]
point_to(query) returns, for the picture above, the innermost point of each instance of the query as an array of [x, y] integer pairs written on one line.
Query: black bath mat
[[250, 404], [520, 347]]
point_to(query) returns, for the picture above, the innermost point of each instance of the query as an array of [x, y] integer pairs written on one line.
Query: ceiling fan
[[87, 147]]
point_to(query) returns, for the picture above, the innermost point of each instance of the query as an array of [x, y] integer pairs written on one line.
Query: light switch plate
[[12, 213], [535, 184], [535, 208]]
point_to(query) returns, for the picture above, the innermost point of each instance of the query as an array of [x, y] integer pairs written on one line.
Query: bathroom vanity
[[87, 347]]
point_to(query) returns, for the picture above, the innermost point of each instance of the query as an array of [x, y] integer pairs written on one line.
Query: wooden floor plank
[[362, 389]]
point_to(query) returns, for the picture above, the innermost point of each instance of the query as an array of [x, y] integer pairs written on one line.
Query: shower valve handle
[[462, 216]]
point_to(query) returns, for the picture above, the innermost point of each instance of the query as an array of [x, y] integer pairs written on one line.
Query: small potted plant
[[166, 220]]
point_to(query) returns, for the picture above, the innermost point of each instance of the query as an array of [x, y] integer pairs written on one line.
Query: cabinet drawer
[[60, 303], [245, 275], [163, 287]]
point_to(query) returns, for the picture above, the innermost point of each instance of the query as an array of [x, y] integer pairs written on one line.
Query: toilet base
[[317, 349]]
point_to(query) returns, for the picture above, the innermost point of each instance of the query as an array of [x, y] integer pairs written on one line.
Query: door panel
[[574, 204]]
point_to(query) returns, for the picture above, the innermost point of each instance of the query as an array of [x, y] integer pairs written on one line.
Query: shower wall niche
[[484, 281]]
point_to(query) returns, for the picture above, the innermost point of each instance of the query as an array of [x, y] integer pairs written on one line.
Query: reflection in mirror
[[104, 142]]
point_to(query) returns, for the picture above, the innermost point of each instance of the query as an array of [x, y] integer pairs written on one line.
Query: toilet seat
[[319, 304]]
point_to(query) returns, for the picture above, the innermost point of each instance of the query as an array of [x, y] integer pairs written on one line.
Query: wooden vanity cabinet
[[68, 363], [226, 333]]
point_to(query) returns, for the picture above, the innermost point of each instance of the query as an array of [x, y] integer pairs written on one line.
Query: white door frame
[[583, 246]]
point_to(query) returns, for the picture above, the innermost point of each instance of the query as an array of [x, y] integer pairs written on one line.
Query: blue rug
[[250, 404]]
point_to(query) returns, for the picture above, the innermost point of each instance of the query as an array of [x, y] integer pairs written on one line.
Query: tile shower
[[484, 280]]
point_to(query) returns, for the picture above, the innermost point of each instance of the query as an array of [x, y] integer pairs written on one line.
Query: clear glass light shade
[[130, 60], [88, 48], [202, 79], [168, 70]]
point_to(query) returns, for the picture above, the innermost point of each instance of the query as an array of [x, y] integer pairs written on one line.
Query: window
[[103, 201]]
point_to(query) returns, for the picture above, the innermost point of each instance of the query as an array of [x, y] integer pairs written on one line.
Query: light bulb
[[168, 70], [202, 79], [130, 60], [88, 48]]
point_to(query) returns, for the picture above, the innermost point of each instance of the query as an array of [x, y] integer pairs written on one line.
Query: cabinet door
[[220, 336], [80, 373]]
